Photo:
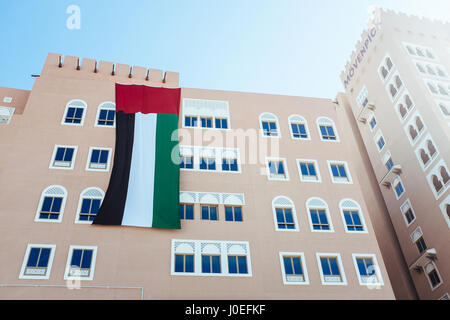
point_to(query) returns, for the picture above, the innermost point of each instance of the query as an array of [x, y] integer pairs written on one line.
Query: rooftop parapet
[[57, 63]]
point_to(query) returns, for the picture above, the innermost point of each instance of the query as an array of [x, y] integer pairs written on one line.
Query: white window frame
[[197, 152], [379, 277], [303, 265], [424, 145], [369, 122], [198, 247], [443, 206], [298, 119], [72, 164], [327, 212], [327, 121], [273, 118], [102, 106], [436, 171], [108, 163], [291, 206], [404, 208], [30, 246], [41, 201], [80, 202], [316, 167], [394, 185], [362, 96], [426, 273], [357, 207], [412, 121], [69, 259], [347, 171], [340, 265], [416, 56], [376, 138], [286, 171], [68, 105]]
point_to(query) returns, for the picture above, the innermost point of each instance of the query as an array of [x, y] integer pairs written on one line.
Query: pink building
[[281, 197]]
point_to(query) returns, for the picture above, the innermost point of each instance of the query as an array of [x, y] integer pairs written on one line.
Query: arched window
[[319, 216], [402, 110], [431, 148], [299, 127], [392, 90], [408, 102], [436, 183], [389, 63], [424, 156], [106, 114], [412, 132], [419, 124], [269, 125], [284, 214], [51, 205], [383, 72], [89, 204], [444, 175], [74, 113], [398, 82], [327, 129], [352, 216]]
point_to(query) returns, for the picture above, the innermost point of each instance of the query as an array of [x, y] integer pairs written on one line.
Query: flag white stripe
[[139, 203]]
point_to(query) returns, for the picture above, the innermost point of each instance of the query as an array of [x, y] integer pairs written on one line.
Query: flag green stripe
[[166, 212]]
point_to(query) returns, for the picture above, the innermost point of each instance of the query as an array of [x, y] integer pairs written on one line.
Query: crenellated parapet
[[57, 63]]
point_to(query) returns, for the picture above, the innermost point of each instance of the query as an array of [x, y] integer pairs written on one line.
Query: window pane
[[304, 169], [334, 170], [361, 267], [334, 266], [43, 259], [46, 205], [297, 265], [60, 154], [189, 263], [76, 258], [228, 213], [325, 268], [179, 267], [95, 156], [95, 206], [189, 212], [288, 266], [104, 156], [216, 264], [86, 206], [87, 257], [33, 257], [242, 260], [56, 207], [237, 214], [232, 265], [312, 169], [213, 213], [342, 171], [205, 212]]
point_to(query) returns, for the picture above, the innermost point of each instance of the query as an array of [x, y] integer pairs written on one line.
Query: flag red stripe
[[140, 98]]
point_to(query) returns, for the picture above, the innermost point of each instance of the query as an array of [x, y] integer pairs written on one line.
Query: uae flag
[[143, 189]]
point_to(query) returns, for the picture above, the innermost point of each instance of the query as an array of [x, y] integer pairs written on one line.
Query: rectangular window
[[233, 213], [270, 129], [81, 263], [89, 209], [206, 122], [285, 219], [186, 162], [211, 264], [51, 208], [330, 270], [389, 164], [299, 131], [339, 172], [434, 278], [207, 163], [293, 269], [184, 263], [74, 115], [99, 159], [106, 117], [373, 123], [229, 165], [276, 169], [353, 221], [237, 265], [221, 123], [190, 121], [381, 143], [399, 189], [37, 262], [409, 216], [327, 132], [421, 245], [366, 268], [186, 211], [63, 157], [209, 212], [308, 171], [319, 219]]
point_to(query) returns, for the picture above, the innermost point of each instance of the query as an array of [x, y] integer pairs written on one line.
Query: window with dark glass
[[233, 213]]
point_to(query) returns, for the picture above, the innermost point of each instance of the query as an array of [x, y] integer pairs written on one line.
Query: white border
[[82, 118], [376, 267], [80, 202], [304, 122], [327, 212], [278, 136], [102, 107], [69, 259], [41, 201], [340, 265], [347, 171], [360, 213], [294, 214], [316, 167], [49, 265], [320, 121], [52, 160], [275, 178], [303, 265], [408, 205], [108, 163]]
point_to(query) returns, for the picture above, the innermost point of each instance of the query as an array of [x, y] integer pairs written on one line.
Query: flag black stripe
[[112, 208]]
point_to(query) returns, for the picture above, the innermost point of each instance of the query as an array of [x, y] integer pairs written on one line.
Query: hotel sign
[[361, 53]]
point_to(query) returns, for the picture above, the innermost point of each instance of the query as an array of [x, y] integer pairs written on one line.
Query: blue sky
[[293, 47]]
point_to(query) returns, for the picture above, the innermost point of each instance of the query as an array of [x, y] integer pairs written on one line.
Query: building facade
[[281, 197], [398, 90]]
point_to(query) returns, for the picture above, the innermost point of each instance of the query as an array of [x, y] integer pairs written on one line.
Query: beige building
[[281, 197], [398, 89]]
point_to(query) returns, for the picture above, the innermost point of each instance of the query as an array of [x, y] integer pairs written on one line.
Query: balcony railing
[[366, 112], [391, 176]]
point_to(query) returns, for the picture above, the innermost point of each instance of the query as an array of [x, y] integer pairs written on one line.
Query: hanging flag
[[144, 188]]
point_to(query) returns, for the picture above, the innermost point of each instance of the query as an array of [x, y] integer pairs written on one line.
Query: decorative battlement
[[57, 62], [371, 35]]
